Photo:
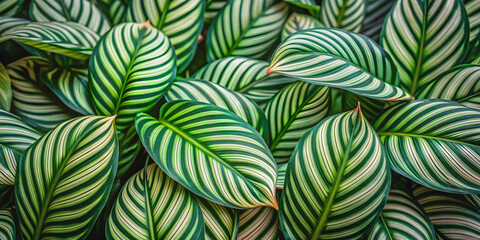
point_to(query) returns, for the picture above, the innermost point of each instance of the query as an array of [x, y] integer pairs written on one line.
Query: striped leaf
[[344, 14], [59, 194], [370, 107], [79, 11], [5, 89], [258, 223], [451, 214], [181, 21], [402, 218], [472, 8], [375, 13], [16, 134], [129, 147], [246, 28], [307, 4], [114, 9], [460, 84], [340, 59], [153, 206], [10, 8], [292, 112], [298, 22], [212, 8], [211, 152], [131, 68], [282, 170], [7, 225], [434, 143], [32, 100], [8, 165], [337, 181], [9, 24], [425, 38], [66, 38], [207, 92], [220, 222]]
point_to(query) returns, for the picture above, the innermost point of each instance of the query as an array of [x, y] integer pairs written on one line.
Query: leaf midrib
[[423, 136], [65, 11], [148, 206], [385, 225], [420, 50], [339, 19]]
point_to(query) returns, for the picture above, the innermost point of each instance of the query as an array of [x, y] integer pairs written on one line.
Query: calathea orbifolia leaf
[[8, 165], [258, 223], [472, 8], [129, 146], [9, 8], [434, 143], [340, 59], [181, 21], [370, 107], [337, 181], [402, 218], [212, 152], [131, 68], [66, 38], [293, 111], [5, 89], [153, 206], [213, 7], [220, 222], [79, 11], [9, 24], [7, 225], [208, 92], [16, 134], [246, 28], [375, 13], [64, 178], [453, 216], [244, 75], [114, 9], [344, 14], [460, 84], [298, 22], [425, 38], [282, 170]]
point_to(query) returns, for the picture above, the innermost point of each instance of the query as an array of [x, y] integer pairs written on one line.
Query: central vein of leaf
[[386, 227], [420, 50], [338, 24], [65, 11], [148, 208]]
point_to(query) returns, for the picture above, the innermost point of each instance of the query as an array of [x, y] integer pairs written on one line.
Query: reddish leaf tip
[[146, 23], [270, 70]]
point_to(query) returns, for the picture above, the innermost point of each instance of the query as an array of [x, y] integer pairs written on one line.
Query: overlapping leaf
[[129, 147], [220, 222], [282, 170], [7, 225], [5, 89], [9, 8], [298, 22], [16, 134], [345, 14], [212, 8], [258, 223], [375, 13], [8, 165], [9, 24]]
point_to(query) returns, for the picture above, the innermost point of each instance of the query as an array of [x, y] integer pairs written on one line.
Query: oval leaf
[[298, 22], [220, 222], [347, 14]]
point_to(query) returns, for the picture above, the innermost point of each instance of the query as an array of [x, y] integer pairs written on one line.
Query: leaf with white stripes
[[8, 165], [9, 24], [7, 225], [66, 38], [212, 152], [258, 223], [292, 112], [298, 22], [79, 11], [472, 8], [307, 4], [402, 218], [213, 7], [131, 68], [220, 222], [181, 21], [346, 14], [246, 28], [10, 8], [434, 143], [337, 181], [340, 59], [5, 89], [375, 13], [425, 38], [460, 84], [153, 206], [16, 134], [129, 146], [453, 216], [59, 194], [282, 170], [114, 9]]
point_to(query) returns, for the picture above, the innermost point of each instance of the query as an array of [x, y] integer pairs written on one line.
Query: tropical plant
[[240, 119]]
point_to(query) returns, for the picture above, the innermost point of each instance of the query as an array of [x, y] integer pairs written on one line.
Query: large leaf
[[460, 84], [337, 181], [5, 89], [79, 11], [345, 14], [425, 38], [259, 223], [211, 152], [66, 38], [292, 112], [220, 222], [9, 8], [375, 13], [16, 134], [434, 143], [207, 92], [340, 59], [131, 68], [153, 206], [181, 21], [298, 22], [7, 225], [246, 28], [64, 178]]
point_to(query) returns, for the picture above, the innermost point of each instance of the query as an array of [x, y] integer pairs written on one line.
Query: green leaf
[[337, 181], [211, 152], [402, 218], [10, 8], [14, 133], [451, 214], [220, 222], [307, 4], [79, 11], [207, 92], [282, 170], [153, 206], [434, 143], [60, 193], [5, 89], [181, 21], [292, 112], [460, 84], [129, 147], [213, 7], [131, 68], [66, 38], [8, 165], [425, 38], [9, 24], [472, 8], [7, 225], [246, 28], [340, 59], [298, 22], [375, 13], [346, 14], [258, 223]]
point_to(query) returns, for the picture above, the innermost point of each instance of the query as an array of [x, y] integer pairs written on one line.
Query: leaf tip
[[270, 70], [146, 23], [358, 108]]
